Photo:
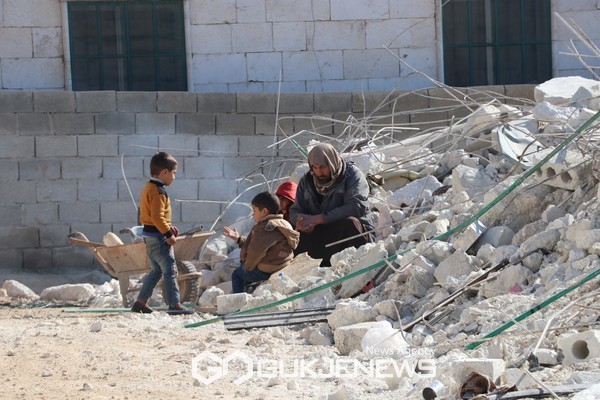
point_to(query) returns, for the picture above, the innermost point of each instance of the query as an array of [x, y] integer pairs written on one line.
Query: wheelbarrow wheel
[[189, 289]]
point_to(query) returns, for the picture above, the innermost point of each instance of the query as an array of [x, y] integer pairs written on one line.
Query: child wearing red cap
[[286, 192]]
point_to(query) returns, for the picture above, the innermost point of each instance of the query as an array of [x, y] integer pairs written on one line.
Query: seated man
[[268, 248], [331, 205]]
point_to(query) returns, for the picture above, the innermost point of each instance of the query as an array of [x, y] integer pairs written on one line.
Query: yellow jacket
[[155, 208]]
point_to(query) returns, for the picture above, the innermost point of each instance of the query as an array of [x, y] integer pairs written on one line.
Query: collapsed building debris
[[480, 224]]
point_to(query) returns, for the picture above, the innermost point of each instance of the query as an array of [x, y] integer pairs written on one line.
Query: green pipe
[[533, 310], [439, 237]]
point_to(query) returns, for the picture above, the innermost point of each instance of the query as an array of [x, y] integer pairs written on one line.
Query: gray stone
[[116, 123], [174, 102], [96, 101], [73, 124], [133, 102], [55, 102], [16, 101]]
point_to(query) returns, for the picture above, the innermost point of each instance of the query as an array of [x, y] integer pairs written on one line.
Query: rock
[[350, 313], [229, 303], [418, 189], [80, 292], [384, 341], [111, 239], [18, 290], [209, 278], [293, 386], [561, 90], [580, 347], [317, 338], [349, 338], [365, 256], [541, 241], [473, 181], [96, 326], [592, 393], [454, 268], [209, 297]]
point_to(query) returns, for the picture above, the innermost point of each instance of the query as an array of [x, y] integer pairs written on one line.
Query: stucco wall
[[63, 154]]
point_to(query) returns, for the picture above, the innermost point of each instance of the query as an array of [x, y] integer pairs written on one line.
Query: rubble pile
[[451, 269]]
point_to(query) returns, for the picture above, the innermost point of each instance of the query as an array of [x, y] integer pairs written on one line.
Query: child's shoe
[[178, 309], [139, 307]]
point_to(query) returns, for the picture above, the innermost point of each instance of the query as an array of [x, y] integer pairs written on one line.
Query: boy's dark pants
[[240, 277]]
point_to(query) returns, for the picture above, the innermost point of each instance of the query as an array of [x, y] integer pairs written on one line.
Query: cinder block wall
[[63, 155]]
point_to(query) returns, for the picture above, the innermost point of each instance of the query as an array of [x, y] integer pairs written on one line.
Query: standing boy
[[269, 247], [159, 235]]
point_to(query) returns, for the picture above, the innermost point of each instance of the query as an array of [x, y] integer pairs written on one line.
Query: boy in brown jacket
[[268, 248]]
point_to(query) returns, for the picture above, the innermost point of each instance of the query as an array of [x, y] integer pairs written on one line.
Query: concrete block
[[8, 124], [515, 92], [73, 124], [34, 124], [116, 123], [10, 215], [173, 102], [369, 63], [219, 68], [256, 103], [367, 102], [54, 235], [81, 168], [183, 189], [16, 101], [138, 145], [256, 146], [423, 9], [213, 12], [33, 73], [20, 192], [96, 101], [133, 167], [289, 36], [235, 124], [15, 43], [359, 9], [155, 123], [103, 145], [296, 103], [204, 167], [289, 10], [313, 66], [218, 145], [238, 167], [12, 259], [79, 212], [546, 240], [580, 347], [33, 169], [251, 11], [19, 237], [220, 39], [40, 214], [179, 145], [97, 190], [339, 34], [332, 102], [565, 170], [117, 212], [37, 260], [132, 102], [497, 236], [348, 338], [56, 191], [216, 189], [518, 378], [17, 147], [266, 123], [31, 13], [135, 185], [263, 67], [229, 303], [199, 212], [251, 38], [217, 102], [55, 102], [72, 257], [195, 124], [460, 369], [47, 42]]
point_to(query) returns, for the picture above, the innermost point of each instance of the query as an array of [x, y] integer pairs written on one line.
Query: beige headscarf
[[326, 154]]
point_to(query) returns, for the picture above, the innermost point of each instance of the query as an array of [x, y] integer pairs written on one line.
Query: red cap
[[287, 190]]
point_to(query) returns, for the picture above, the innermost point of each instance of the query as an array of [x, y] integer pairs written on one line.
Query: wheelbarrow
[[122, 261]]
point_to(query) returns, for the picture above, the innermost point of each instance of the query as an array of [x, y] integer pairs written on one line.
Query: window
[[496, 42], [132, 45]]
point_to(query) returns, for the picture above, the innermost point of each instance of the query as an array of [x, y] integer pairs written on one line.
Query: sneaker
[[141, 308], [178, 309]]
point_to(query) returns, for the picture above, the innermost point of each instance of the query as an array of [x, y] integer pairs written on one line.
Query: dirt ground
[[47, 353]]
